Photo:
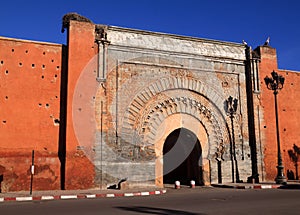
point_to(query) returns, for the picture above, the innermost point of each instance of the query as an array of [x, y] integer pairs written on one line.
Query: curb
[[80, 196], [247, 186]]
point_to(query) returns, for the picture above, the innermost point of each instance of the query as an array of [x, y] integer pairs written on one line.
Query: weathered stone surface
[[149, 84]]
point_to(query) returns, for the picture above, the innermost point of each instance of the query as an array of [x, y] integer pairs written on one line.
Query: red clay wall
[[81, 49], [29, 113], [288, 113]]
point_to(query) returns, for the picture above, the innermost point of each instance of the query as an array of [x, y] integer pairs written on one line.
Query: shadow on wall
[[294, 155], [63, 117], [1, 179]]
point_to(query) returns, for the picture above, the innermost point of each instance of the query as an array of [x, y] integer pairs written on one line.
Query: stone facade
[[104, 107], [144, 85]]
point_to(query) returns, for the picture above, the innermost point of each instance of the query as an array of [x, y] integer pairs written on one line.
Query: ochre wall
[[30, 74], [29, 113], [288, 114], [81, 49]]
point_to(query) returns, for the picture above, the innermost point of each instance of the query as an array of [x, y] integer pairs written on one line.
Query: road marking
[[128, 194], [28, 198], [68, 197], [266, 186], [47, 198], [109, 195], [145, 193]]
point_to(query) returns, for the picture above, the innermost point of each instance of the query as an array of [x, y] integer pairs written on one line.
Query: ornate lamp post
[[231, 108], [275, 83]]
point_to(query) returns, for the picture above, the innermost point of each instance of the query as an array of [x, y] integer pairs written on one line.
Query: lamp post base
[[280, 178]]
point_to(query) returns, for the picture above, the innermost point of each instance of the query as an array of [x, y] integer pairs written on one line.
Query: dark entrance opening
[[182, 158]]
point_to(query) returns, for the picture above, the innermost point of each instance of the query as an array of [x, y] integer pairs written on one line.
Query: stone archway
[[158, 101], [182, 158], [167, 105], [194, 126]]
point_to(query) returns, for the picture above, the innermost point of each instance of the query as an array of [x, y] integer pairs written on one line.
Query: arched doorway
[[182, 158]]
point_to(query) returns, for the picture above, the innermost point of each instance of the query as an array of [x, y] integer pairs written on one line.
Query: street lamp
[[275, 83], [231, 108]]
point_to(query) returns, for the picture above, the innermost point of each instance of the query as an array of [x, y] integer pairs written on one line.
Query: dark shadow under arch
[[182, 158]]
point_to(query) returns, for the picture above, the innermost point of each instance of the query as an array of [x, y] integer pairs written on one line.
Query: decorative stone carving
[[220, 152], [101, 33], [143, 117], [154, 41], [167, 105]]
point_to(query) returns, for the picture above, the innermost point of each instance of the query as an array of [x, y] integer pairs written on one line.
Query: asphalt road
[[176, 202]]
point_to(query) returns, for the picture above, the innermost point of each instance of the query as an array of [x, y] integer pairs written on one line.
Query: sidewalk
[[262, 185], [112, 193], [78, 194]]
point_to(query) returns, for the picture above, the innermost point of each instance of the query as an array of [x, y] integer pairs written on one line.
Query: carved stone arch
[[155, 103], [169, 83]]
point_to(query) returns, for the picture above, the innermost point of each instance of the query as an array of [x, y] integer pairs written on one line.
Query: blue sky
[[231, 20]]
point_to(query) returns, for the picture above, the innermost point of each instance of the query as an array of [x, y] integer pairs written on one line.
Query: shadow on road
[[290, 186], [159, 211]]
